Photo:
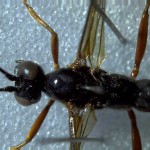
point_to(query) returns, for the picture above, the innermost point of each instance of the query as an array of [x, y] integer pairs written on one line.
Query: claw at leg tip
[[13, 148]]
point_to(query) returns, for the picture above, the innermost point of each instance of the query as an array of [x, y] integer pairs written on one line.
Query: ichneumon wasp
[[88, 88]]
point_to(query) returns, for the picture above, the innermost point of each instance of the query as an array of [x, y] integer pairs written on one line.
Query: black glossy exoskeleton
[[81, 87]]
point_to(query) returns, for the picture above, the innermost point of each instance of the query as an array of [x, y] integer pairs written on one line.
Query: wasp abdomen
[[143, 100]]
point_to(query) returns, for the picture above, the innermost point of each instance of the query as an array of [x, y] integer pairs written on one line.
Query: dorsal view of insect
[[83, 87]]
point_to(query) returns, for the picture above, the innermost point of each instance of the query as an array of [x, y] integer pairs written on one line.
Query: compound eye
[[26, 69], [24, 100]]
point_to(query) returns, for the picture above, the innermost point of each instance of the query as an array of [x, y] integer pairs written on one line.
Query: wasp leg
[[142, 40], [73, 125], [35, 127], [136, 140], [54, 38], [140, 50]]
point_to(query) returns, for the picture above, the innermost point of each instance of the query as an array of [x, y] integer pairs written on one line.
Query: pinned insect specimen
[[82, 86]]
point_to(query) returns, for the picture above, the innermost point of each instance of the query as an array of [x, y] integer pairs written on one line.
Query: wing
[[83, 122], [86, 123], [91, 51], [92, 47]]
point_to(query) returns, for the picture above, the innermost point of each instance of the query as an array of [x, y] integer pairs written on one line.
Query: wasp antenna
[[9, 89], [8, 75]]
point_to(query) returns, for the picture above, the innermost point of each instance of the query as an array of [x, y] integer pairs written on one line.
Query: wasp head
[[29, 81]]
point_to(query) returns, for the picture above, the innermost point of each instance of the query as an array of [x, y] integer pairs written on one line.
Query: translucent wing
[[86, 124], [92, 47], [92, 51], [83, 123]]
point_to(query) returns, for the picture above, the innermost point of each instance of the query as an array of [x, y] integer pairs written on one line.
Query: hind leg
[[140, 50], [136, 139], [141, 40]]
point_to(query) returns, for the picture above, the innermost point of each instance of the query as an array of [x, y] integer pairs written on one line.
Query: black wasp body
[[79, 86], [99, 88]]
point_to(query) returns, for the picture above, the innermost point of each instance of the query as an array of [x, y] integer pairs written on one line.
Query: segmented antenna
[[11, 78]]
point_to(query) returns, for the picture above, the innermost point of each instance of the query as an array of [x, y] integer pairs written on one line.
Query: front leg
[[35, 127], [54, 38]]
